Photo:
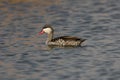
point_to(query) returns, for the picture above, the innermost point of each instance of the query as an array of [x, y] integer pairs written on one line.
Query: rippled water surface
[[24, 55]]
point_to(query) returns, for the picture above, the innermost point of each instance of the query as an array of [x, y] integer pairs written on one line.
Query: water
[[24, 55]]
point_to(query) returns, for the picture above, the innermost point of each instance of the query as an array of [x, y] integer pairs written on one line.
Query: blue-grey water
[[24, 55]]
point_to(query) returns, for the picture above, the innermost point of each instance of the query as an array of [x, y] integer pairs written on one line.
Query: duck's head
[[46, 29]]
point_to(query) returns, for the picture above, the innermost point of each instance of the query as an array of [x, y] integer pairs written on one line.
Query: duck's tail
[[83, 40]]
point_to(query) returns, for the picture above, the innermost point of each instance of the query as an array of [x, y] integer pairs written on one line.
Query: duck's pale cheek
[[47, 30]]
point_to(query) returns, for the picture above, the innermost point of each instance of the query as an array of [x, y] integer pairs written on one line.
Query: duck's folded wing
[[67, 38]]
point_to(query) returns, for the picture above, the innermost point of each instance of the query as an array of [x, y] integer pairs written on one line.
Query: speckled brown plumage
[[60, 41]]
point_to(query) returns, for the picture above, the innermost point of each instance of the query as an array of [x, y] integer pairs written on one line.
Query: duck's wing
[[67, 38]]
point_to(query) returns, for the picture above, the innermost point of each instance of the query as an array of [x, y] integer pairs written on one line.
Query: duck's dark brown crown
[[47, 26]]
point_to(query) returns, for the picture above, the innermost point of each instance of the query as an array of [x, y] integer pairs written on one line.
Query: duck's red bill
[[41, 32]]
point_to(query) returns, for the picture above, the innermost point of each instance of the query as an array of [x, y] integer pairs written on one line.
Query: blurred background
[[24, 55]]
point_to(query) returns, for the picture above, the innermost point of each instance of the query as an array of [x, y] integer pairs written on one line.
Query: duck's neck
[[50, 37]]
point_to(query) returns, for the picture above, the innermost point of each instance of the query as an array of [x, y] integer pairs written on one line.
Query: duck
[[60, 41]]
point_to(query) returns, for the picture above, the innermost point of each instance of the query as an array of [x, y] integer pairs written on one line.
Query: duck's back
[[66, 41]]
